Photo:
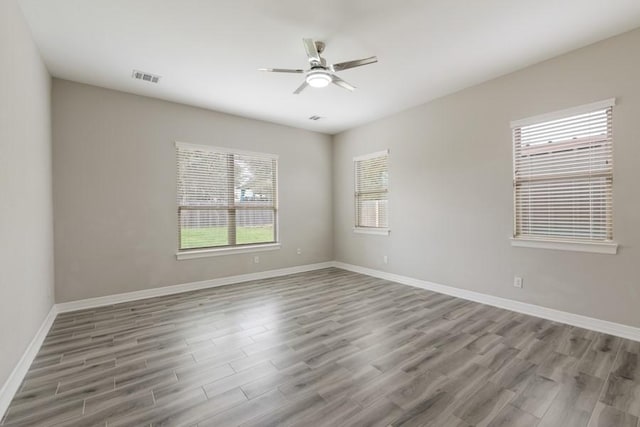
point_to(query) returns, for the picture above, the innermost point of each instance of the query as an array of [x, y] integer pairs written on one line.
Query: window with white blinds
[[371, 191], [226, 198], [563, 175]]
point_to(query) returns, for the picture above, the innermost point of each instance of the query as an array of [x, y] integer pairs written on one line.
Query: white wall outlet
[[299, 251], [517, 282], [385, 259], [256, 259]]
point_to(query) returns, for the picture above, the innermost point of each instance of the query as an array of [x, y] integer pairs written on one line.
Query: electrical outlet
[[385, 259], [517, 282], [299, 251], [256, 259]]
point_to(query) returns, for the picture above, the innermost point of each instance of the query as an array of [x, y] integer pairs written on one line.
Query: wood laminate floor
[[324, 348]]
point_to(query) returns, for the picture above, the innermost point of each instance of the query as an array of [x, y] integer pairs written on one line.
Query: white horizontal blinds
[[371, 190], [563, 177], [255, 198], [225, 198]]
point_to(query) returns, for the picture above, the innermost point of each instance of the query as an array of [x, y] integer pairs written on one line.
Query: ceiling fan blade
[[301, 88], [312, 51], [355, 63], [338, 81], [281, 70]]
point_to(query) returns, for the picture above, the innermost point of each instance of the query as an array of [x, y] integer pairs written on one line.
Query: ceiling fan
[[320, 74]]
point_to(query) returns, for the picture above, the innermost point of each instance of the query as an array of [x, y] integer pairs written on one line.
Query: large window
[[563, 175], [226, 198], [371, 192]]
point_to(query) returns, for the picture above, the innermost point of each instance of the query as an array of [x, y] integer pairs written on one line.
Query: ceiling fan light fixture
[[318, 79], [322, 75]]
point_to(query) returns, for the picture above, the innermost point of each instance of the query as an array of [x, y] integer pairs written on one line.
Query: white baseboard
[[10, 387], [185, 287], [598, 325]]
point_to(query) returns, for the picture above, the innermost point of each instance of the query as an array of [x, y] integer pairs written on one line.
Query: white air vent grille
[[314, 118], [147, 77]]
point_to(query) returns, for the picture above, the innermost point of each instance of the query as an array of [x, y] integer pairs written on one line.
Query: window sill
[[377, 231], [203, 253], [610, 248]]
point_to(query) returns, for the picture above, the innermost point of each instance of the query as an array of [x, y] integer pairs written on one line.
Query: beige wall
[[26, 225], [115, 191], [451, 192]]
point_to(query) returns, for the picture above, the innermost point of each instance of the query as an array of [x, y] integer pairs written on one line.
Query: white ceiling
[[208, 51]]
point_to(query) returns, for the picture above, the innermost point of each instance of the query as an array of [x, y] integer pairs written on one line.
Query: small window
[[226, 198], [371, 192], [563, 175]]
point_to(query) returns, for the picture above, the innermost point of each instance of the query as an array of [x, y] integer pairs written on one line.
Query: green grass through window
[[218, 236]]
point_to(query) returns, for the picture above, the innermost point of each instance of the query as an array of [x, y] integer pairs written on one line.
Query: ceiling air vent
[[147, 77], [315, 118]]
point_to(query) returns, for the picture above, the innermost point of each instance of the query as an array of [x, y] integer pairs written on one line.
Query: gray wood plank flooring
[[324, 348]]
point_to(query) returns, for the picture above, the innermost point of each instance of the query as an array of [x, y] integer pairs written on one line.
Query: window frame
[[385, 231], [602, 246], [206, 251]]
